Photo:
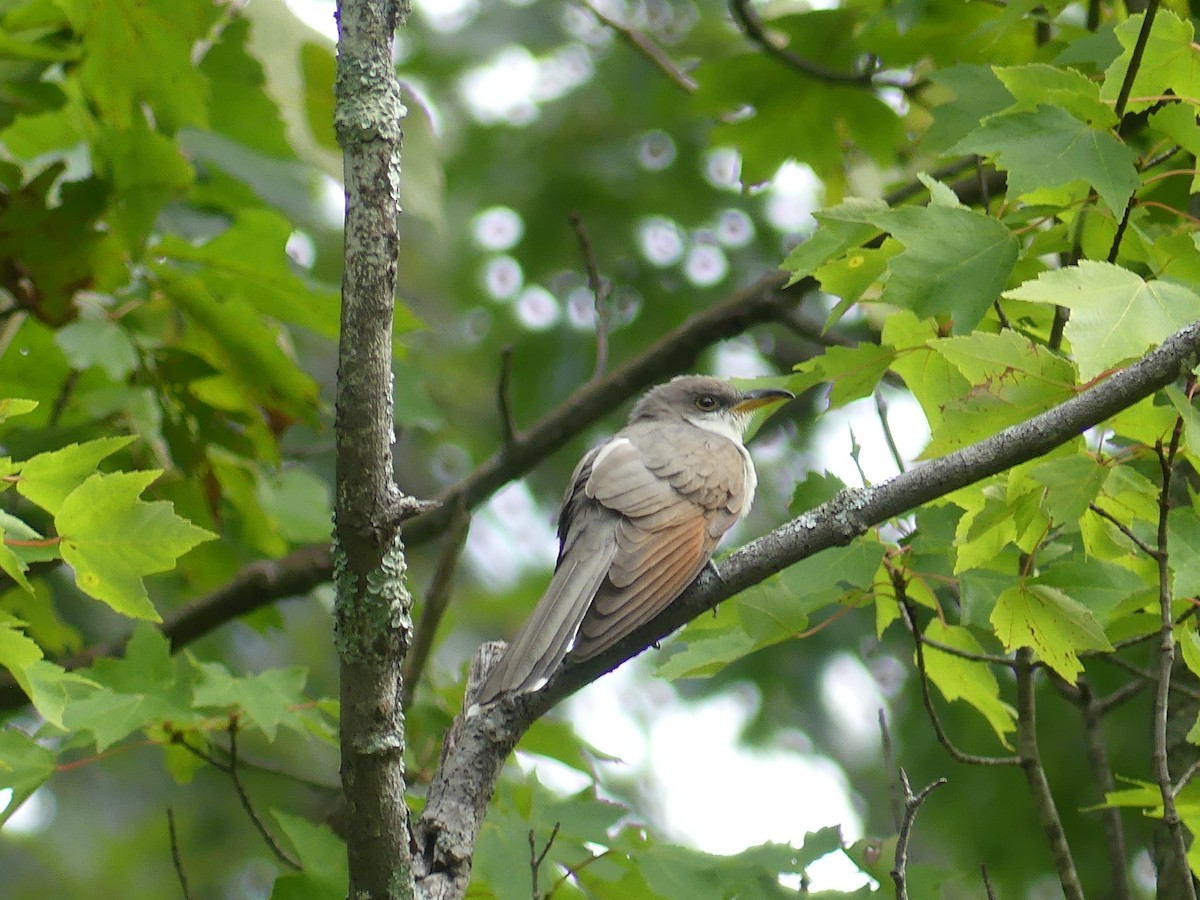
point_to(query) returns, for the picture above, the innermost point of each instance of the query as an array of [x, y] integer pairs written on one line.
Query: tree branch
[[1039, 787], [753, 28], [479, 742], [1166, 661], [372, 609], [912, 803], [646, 47], [435, 602]]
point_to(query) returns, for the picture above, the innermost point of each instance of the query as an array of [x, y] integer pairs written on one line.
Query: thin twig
[[508, 426], [987, 882], [437, 599], [1125, 692], [1035, 775], [1005, 324], [1125, 530], [536, 859], [1110, 816], [752, 25], [1166, 659], [1148, 677], [889, 763], [255, 818], [573, 871], [881, 410], [178, 738], [1185, 777], [1135, 63], [599, 293], [910, 613], [1135, 59], [1058, 327], [990, 659], [912, 803], [176, 859], [984, 194], [650, 50], [1114, 248]]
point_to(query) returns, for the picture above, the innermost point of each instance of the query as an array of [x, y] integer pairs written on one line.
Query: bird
[[640, 519]]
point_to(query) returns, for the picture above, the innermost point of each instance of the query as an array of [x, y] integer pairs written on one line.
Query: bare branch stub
[[599, 290], [536, 859], [176, 858], [248, 806], [912, 803], [508, 425]]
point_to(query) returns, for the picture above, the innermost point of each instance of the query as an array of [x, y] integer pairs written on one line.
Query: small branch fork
[[231, 769], [912, 803], [536, 859]]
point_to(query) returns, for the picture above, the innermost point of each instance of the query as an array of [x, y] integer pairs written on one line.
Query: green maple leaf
[[24, 766], [160, 73], [267, 699], [15, 406], [962, 679], [842, 227], [1050, 623], [955, 261], [1169, 61], [113, 539], [853, 372], [1033, 85], [49, 477], [1048, 147], [1115, 314]]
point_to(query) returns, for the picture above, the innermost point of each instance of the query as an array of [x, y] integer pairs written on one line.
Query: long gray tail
[[546, 636]]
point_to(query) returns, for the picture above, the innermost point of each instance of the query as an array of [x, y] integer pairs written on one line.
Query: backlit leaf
[[1115, 314], [1050, 623], [113, 539], [1048, 147]]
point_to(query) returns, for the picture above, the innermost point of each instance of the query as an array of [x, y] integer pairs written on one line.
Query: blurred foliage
[[169, 266]]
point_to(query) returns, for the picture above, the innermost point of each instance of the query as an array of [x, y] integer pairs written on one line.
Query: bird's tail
[[546, 637]]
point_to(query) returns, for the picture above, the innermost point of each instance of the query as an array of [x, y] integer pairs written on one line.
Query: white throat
[[733, 426]]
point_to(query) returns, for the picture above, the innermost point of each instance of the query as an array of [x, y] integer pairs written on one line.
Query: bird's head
[[708, 403]]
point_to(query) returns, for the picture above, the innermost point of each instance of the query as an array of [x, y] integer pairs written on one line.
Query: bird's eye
[[706, 402]]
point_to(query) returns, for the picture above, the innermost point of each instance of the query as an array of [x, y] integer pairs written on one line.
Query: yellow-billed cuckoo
[[640, 519]]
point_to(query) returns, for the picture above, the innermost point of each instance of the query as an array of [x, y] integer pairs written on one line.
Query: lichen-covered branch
[[372, 608]]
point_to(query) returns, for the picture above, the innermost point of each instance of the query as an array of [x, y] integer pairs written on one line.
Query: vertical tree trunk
[[372, 621]]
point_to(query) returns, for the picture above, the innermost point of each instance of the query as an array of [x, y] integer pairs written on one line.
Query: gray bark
[[372, 611]]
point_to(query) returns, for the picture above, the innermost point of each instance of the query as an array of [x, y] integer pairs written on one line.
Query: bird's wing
[[676, 489], [588, 535]]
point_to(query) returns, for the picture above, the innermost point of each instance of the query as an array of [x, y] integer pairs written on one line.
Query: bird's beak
[[752, 400]]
